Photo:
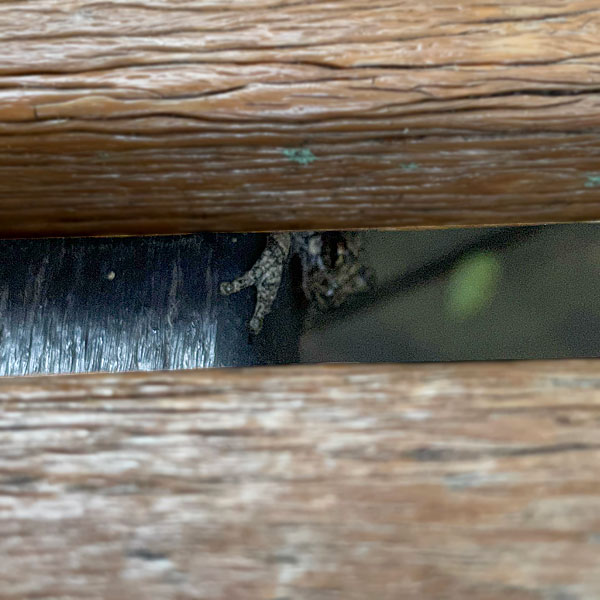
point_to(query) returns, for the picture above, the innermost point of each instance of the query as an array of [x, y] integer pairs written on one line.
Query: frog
[[331, 270]]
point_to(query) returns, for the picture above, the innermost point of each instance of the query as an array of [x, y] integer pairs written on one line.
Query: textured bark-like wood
[[167, 117], [474, 481]]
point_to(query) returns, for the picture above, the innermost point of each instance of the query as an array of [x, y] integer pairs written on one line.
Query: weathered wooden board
[[474, 481], [169, 117], [128, 304]]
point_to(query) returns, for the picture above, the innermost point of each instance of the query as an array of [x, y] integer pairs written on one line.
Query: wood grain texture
[[438, 481], [130, 304], [170, 117]]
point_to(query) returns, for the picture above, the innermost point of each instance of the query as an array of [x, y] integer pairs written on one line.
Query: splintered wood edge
[[432, 481]]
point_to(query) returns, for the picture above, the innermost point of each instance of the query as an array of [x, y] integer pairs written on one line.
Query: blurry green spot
[[472, 285], [593, 180], [303, 156], [412, 166]]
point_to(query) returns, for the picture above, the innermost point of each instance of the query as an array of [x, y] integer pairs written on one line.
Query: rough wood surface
[[136, 303], [167, 117], [458, 481]]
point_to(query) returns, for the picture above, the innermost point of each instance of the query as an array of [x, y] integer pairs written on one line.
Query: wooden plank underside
[[162, 117], [449, 481]]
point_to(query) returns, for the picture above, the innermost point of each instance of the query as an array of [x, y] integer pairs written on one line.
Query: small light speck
[[234, 240], [412, 166], [110, 275]]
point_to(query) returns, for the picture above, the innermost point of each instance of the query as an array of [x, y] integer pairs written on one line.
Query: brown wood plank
[[449, 481], [163, 117]]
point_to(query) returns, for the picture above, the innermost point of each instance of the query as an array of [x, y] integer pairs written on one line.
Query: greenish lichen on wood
[[302, 156], [412, 166], [593, 180]]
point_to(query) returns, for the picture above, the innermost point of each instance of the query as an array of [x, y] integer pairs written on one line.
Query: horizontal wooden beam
[[162, 117], [449, 481]]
